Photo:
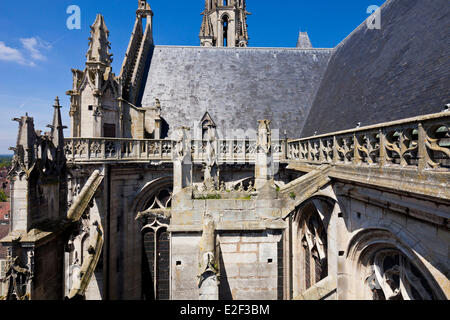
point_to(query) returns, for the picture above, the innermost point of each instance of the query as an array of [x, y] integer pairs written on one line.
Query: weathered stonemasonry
[[153, 198], [250, 264]]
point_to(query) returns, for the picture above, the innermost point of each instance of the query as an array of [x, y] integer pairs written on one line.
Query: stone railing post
[[139, 148], [383, 153], [264, 166], [88, 151], [356, 155], [182, 160], [335, 150], [422, 153], [103, 148], [321, 150]]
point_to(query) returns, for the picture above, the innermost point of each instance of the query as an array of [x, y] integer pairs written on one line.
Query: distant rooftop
[[5, 209]]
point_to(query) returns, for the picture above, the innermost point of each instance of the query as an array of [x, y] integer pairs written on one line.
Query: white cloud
[[13, 55], [31, 52], [34, 45]]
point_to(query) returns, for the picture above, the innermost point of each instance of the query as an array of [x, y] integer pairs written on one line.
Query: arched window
[[225, 2], [225, 31], [156, 248], [310, 245], [394, 277], [381, 267], [314, 245]]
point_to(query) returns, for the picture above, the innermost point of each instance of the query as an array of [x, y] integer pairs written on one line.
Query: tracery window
[[309, 261], [394, 277], [314, 246], [156, 248]]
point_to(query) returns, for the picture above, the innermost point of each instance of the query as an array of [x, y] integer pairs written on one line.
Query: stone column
[[182, 160], [264, 166]]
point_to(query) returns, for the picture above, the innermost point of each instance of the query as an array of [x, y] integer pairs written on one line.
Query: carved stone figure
[[208, 267], [181, 144], [264, 136]]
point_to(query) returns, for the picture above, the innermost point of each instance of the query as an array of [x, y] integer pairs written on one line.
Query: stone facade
[[150, 200]]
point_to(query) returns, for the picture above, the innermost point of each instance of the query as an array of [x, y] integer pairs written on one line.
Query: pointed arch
[[384, 267], [225, 21], [313, 235], [149, 205]]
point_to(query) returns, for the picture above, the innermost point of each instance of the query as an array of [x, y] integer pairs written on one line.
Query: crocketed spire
[[99, 44]]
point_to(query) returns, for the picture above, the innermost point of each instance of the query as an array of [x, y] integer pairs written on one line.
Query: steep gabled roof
[[237, 86]]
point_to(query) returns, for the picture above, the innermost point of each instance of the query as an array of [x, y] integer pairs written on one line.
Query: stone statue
[[208, 261], [264, 136]]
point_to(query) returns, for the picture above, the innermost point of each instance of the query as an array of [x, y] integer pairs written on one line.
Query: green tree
[[3, 196], [5, 162]]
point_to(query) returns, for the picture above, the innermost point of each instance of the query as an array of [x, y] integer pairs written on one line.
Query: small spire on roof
[[303, 41]]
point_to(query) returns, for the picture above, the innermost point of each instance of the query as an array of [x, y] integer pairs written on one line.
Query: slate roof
[[399, 71], [237, 86]]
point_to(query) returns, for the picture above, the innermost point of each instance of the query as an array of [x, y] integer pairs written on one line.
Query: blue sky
[[37, 50]]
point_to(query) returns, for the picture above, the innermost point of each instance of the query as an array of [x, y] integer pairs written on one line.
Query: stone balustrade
[[235, 151], [421, 143], [136, 150], [113, 149]]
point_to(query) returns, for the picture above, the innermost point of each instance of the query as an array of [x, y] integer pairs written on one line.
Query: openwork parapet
[[135, 150], [422, 143]]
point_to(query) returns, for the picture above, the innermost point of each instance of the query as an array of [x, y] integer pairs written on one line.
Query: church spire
[[303, 41], [57, 133], [99, 44], [224, 24]]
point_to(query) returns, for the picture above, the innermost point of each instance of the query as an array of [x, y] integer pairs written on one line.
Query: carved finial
[[57, 105], [144, 9], [99, 44]]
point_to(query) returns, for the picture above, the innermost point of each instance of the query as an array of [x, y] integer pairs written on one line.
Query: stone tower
[[94, 93], [224, 24]]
